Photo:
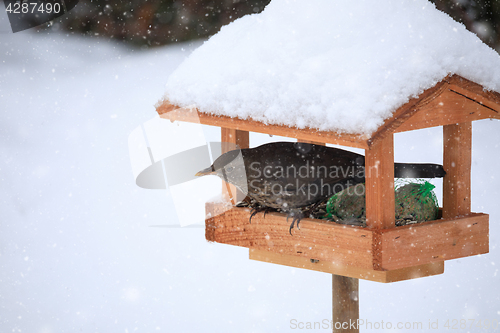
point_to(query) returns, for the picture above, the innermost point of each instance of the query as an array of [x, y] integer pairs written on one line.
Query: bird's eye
[[229, 169]]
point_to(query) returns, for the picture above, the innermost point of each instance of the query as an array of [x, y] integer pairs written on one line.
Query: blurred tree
[[158, 22], [479, 16]]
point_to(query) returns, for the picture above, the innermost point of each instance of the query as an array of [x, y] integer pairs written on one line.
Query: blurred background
[[159, 22]]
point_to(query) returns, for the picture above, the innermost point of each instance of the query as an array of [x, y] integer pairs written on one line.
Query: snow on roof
[[332, 65]]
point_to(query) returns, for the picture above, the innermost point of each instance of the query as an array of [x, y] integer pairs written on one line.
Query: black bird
[[291, 176]]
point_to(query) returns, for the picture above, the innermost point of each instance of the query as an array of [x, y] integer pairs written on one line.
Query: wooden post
[[457, 153], [379, 173], [231, 138], [234, 137], [380, 201], [345, 301]]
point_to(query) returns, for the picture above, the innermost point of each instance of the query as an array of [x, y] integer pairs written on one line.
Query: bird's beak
[[206, 172]]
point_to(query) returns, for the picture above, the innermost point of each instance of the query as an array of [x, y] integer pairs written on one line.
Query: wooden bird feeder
[[380, 251]]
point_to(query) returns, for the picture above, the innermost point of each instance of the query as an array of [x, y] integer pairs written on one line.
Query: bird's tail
[[415, 170]]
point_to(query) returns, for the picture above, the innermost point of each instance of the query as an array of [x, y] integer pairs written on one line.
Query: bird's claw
[[256, 210], [296, 220]]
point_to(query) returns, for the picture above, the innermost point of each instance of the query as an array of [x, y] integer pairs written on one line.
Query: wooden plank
[[346, 250], [401, 274], [457, 154], [457, 91], [345, 304], [231, 139], [235, 137], [475, 91], [434, 241], [350, 246], [450, 107], [172, 112], [313, 142], [414, 272], [406, 111], [380, 200], [341, 244], [379, 173]]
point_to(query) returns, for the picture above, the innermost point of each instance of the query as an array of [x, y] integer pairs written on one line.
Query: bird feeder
[[381, 251]]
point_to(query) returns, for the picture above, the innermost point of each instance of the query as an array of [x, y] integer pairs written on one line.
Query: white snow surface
[[330, 65]]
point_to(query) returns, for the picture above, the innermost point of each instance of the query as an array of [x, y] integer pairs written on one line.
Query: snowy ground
[[77, 253]]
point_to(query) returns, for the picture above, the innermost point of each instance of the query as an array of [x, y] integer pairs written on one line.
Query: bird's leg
[[258, 209], [297, 216], [267, 210], [254, 212]]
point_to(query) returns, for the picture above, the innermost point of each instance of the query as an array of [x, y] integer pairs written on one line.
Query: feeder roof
[[353, 67]]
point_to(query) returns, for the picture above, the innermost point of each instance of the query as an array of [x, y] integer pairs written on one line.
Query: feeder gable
[[453, 100]]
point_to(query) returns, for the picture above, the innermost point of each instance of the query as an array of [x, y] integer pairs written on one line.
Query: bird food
[[415, 202]]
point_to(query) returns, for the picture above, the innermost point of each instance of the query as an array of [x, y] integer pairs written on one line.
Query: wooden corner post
[[380, 200], [379, 174], [230, 138], [457, 154]]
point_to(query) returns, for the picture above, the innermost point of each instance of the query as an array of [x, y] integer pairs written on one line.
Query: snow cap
[[338, 65]]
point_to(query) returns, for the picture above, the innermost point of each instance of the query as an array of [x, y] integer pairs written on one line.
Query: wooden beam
[[231, 139], [437, 106], [345, 304], [313, 142], [172, 112], [450, 107], [379, 185], [457, 154], [344, 247], [401, 274], [475, 91], [406, 111], [379, 174], [434, 241], [235, 137], [317, 239]]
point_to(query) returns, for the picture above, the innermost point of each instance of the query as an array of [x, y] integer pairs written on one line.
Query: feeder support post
[[457, 154], [345, 301]]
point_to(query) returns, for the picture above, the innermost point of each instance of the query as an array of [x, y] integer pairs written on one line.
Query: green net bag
[[415, 201], [348, 204]]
